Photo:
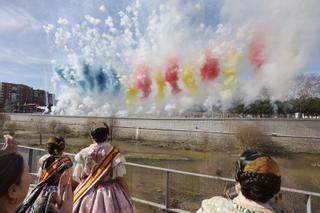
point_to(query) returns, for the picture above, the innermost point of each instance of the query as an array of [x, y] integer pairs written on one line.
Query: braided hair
[[258, 175], [259, 187]]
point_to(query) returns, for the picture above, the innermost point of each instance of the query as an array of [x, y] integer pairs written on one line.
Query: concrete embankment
[[290, 134]]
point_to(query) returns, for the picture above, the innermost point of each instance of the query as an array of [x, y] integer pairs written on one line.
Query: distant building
[[39, 97], [22, 98]]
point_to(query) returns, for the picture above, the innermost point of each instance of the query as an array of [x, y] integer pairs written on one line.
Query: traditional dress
[[40, 164], [49, 175], [97, 168], [239, 204]]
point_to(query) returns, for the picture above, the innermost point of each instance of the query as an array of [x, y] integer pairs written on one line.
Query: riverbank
[[283, 135]]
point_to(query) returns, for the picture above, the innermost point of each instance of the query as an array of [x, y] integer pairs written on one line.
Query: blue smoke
[[114, 81], [88, 77], [101, 80]]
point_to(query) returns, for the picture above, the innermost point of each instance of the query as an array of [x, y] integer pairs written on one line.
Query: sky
[[26, 51]]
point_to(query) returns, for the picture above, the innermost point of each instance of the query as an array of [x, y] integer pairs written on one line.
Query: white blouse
[[91, 156], [40, 162]]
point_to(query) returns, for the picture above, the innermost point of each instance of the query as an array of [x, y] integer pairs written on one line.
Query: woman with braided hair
[[55, 148], [258, 180], [52, 166], [15, 182]]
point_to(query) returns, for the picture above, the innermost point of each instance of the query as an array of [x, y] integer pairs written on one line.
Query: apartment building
[[16, 97]]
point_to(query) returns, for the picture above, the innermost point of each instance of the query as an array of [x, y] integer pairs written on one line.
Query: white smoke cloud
[[151, 34], [290, 29]]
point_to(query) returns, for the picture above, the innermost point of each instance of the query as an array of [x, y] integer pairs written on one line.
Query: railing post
[[167, 198], [309, 210], [30, 159], [137, 133]]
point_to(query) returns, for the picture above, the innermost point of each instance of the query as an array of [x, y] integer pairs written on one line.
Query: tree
[[312, 106], [284, 107], [260, 107], [305, 86], [237, 107]]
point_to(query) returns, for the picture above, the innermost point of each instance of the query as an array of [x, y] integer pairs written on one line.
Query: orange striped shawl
[[95, 176]]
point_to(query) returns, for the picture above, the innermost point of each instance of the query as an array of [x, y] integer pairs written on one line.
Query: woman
[[52, 167], [55, 148], [100, 169], [15, 181], [258, 180]]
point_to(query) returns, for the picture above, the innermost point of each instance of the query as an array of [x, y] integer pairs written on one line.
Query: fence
[[298, 200]]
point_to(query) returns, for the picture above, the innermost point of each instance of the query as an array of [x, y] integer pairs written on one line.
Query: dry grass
[[3, 119], [52, 125], [10, 127], [251, 137]]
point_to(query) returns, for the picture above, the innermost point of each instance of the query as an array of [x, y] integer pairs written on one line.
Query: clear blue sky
[[25, 52]]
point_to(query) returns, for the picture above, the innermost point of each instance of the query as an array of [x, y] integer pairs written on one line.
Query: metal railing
[[32, 155]]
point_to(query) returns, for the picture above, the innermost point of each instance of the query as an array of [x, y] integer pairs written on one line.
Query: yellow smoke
[[189, 79], [132, 92], [229, 69], [161, 83]]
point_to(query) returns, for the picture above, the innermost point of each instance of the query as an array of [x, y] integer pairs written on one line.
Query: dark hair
[[11, 170], [255, 186], [259, 187], [48, 162], [246, 158], [100, 134], [57, 147]]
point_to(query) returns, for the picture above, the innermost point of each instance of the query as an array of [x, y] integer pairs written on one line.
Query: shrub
[[62, 129], [250, 137], [11, 127], [3, 119], [52, 126]]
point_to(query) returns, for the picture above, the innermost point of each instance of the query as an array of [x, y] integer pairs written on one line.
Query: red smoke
[[210, 68], [171, 75], [256, 51], [143, 81]]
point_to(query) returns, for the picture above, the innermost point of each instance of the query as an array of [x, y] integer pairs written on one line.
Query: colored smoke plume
[[184, 47]]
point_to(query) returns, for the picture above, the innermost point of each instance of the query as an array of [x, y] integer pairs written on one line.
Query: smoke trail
[[143, 81], [161, 83], [96, 54], [171, 75], [210, 68], [256, 51], [102, 80], [189, 79]]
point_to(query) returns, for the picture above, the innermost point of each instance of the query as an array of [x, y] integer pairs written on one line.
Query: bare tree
[[305, 86]]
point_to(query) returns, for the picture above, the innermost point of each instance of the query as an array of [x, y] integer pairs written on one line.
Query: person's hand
[[64, 198], [10, 145]]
